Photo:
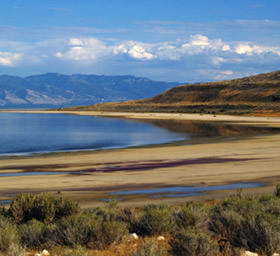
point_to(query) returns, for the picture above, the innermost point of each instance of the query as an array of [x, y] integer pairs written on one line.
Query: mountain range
[[253, 94], [57, 90]]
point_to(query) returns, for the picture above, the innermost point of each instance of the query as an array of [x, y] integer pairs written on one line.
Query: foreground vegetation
[[34, 222]]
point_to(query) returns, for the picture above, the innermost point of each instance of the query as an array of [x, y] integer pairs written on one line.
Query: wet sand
[[209, 162]]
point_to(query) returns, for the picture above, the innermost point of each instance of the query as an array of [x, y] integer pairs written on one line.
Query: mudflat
[[89, 177]]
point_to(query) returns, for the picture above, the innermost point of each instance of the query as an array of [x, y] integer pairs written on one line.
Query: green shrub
[[150, 247], [257, 229], [64, 208], [191, 215], [192, 243], [130, 216], [15, 250], [260, 234], [43, 207], [8, 234], [77, 230], [108, 233], [4, 212], [109, 212], [226, 224], [89, 231], [32, 234], [277, 190], [155, 220]]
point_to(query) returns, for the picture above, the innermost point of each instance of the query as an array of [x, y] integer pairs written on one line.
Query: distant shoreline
[[259, 120]]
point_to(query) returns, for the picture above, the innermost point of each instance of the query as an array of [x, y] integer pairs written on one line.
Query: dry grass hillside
[[254, 94]]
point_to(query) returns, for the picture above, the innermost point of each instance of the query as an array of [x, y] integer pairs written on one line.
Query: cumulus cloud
[[135, 50], [224, 59], [83, 50], [250, 49]]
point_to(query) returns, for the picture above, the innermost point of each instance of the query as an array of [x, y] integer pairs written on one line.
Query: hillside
[[56, 90], [254, 94]]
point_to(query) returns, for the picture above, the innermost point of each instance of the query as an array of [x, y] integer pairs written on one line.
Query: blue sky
[[179, 40]]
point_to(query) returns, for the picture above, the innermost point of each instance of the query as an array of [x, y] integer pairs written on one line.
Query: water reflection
[[211, 129]]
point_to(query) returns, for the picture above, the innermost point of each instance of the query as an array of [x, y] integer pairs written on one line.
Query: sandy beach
[[92, 175]]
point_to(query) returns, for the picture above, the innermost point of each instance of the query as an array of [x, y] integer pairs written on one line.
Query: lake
[[24, 134]]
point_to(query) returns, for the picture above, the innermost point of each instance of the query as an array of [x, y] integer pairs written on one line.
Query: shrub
[[260, 234], [155, 220], [277, 190], [4, 212], [150, 247], [192, 243], [226, 223], [8, 234], [32, 234], [43, 207], [131, 218], [15, 250], [64, 208], [75, 230], [191, 215], [257, 229], [108, 233], [89, 231]]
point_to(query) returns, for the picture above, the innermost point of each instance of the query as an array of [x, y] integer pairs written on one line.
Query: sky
[[168, 40]]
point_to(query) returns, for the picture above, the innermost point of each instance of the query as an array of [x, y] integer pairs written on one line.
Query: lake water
[[23, 134], [184, 191]]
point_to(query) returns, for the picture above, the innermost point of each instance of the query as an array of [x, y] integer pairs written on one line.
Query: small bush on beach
[[155, 220], [32, 234], [4, 212], [109, 233], [73, 231], [42, 207], [249, 223], [8, 234], [191, 215], [277, 190], [15, 250], [193, 243], [89, 231]]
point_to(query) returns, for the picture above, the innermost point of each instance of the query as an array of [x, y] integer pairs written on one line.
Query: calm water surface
[[41, 133]]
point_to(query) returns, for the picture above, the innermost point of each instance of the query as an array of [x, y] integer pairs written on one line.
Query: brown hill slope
[[254, 94]]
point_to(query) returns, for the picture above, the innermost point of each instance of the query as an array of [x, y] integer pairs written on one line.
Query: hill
[[254, 94], [56, 90]]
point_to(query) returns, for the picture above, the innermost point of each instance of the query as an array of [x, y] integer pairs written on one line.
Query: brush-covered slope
[[56, 90], [260, 93]]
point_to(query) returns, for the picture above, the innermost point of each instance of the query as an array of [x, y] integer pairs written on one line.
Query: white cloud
[[251, 49], [199, 40], [188, 56], [83, 49], [135, 50], [9, 59]]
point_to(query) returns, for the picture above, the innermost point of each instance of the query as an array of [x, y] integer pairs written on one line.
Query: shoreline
[[161, 116], [262, 154]]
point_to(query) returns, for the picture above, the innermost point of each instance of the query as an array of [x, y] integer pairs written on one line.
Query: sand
[[251, 159]]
